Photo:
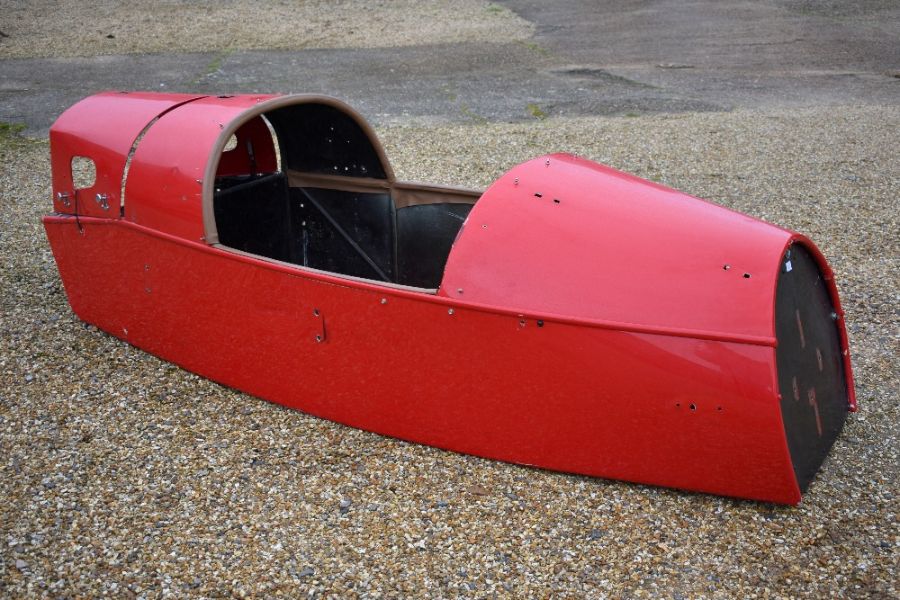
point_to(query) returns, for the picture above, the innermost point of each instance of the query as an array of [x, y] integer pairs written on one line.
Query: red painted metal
[[253, 151], [566, 236], [563, 396], [165, 182], [103, 128], [561, 336], [566, 219]]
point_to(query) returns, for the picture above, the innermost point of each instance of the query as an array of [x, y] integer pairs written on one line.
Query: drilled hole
[[556, 200], [726, 267], [746, 275], [538, 195], [540, 323], [693, 407]]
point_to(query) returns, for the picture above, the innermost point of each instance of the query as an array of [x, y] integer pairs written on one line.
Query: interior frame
[[352, 219]]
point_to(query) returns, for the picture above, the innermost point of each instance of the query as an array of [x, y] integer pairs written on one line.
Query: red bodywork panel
[[561, 337], [103, 128], [253, 144], [167, 174], [528, 232]]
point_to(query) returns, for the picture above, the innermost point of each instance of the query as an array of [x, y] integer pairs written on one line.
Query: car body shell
[[587, 321]]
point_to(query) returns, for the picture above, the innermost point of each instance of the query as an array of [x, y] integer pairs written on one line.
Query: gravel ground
[[125, 476], [45, 28]]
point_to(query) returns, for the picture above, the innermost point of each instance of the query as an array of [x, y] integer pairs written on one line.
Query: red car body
[[581, 319]]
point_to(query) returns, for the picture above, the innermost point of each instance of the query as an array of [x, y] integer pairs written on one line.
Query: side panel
[[694, 414]]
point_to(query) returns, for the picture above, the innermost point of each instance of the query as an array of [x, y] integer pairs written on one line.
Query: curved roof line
[[211, 232]]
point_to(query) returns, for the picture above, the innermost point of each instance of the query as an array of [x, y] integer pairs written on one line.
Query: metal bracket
[[64, 197], [103, 201], [320, 335]]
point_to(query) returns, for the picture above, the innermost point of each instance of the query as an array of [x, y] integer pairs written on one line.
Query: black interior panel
[[253, 214], [360, 226], [814, 400], [425, 234], [349, 233], [317, 138]]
